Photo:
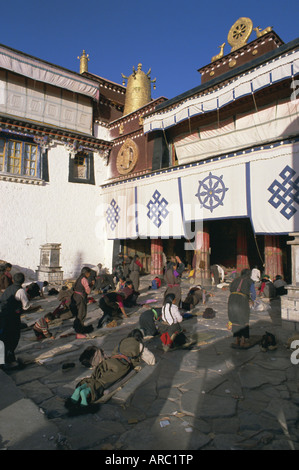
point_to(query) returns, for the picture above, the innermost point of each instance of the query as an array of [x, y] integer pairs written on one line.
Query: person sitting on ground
[[6, 279], [195, 295], [280, 285], [79, 302], [147, 321], [41, 327], [126, 356], [14, 301], [112, 305], [172, 333]]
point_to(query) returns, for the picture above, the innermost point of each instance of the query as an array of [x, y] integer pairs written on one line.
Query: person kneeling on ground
[[173, 335], [195, 295], [147, 321], [41, 327], [112, 305], [130, 295], [126, 356]]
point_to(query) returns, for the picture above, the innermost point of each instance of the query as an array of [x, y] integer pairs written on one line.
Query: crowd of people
[[119, 291]]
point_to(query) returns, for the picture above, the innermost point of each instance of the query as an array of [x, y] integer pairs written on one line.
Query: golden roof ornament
[[83, 62], [138, 91], [260, 32], [239, 33], [218, 56]]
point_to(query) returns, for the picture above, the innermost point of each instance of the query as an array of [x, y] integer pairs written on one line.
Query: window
[[19, 157], [81, 168]]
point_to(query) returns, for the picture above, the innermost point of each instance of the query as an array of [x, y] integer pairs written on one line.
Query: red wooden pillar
[[242, 257], [273, 256], [201, 258], [156, 257]]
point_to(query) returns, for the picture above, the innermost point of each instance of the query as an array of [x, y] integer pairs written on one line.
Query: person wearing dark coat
[[112, 305], [242, 292], [79, 301], [126, 355], [148, 319], [13, 302], [172, 278], [135, 269]]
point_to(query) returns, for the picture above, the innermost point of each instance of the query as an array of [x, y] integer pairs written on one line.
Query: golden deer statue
[[260, 32], [218, 56]]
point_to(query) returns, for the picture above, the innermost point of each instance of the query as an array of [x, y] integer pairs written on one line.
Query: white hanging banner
[[213, 192], [275, 190], [119, 212], [158, 207]]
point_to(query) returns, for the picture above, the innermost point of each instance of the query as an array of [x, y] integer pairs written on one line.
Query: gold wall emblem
[[239, 33], [127, 157]]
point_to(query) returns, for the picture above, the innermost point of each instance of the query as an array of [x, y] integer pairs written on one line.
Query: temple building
[[223, 184], [211, 175]]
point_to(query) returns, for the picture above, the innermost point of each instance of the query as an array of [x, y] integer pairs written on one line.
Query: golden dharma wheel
[[239, 33], [127, 157]]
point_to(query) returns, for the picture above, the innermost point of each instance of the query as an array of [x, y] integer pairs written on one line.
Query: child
[[41, 327]]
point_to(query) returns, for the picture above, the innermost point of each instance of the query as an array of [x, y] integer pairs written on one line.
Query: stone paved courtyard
[[211, 397]]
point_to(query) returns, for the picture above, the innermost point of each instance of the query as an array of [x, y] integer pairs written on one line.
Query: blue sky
[[174, 38]]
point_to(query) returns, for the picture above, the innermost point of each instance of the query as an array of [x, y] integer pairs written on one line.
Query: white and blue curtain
[[262, 185]]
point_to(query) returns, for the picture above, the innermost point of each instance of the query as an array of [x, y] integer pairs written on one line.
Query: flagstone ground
[[209, 397]]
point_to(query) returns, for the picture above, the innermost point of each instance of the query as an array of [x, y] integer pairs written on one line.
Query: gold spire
[[138, 91], [83, 62]]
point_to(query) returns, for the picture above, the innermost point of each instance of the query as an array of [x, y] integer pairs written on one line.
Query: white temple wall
[[54, 212]]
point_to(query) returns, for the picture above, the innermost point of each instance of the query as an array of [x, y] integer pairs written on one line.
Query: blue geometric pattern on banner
[[211, 192], [113, 214], [285, 192], [157, 209]]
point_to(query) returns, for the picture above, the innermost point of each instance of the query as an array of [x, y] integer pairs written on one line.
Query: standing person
[[256, 275], [173, 334], [135, 268], [172, 278], [13, 302], [111, 303], [79, 301], [242, 291]]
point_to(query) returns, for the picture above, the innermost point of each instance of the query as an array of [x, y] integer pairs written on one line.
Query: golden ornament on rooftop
[[138, 91], [239, 33], [83, 62]]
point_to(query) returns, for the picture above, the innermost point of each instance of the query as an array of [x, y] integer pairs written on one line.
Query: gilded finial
[[83, 62], [138, 91]]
